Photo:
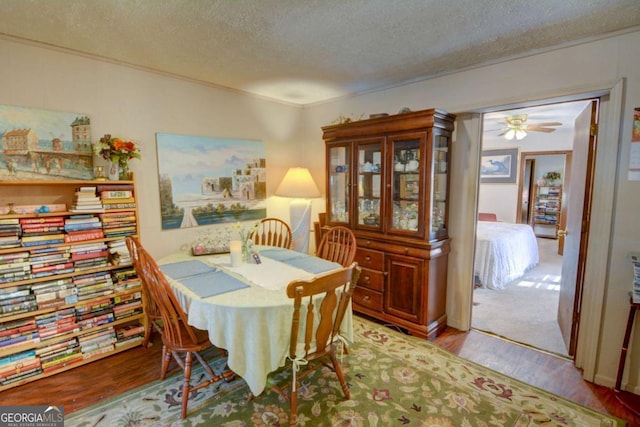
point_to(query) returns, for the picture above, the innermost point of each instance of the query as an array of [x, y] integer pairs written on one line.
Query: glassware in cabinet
[[369, 175], [439, 190], [406, 188], [339, 172]]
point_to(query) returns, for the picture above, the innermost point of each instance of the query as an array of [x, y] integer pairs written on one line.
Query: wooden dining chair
[[154, 319], [314, 340], [272, 232], [181, 341], [338, 244]]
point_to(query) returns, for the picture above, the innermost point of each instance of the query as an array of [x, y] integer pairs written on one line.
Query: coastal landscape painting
[[42, 144], [205, 180]]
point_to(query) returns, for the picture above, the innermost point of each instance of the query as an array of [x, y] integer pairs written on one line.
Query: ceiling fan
[[517, 127]]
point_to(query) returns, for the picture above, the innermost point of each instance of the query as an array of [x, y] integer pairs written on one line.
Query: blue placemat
[[182, 269], [313, 264], [201, 278], [281, 254], [299, 260], [213, 283]]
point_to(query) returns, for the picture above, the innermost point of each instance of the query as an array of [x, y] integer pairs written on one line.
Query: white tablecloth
[[253, 324]]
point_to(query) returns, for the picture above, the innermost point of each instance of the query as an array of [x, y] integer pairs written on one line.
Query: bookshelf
[[546, 213], [68, 292]]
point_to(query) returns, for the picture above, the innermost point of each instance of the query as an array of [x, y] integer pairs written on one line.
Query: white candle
[[235, 247]]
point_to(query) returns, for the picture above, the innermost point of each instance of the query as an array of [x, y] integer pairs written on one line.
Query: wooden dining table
[[245, 309]]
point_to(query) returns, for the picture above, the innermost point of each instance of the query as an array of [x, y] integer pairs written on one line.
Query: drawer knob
[[367, 278], [368, 243], [406, 251], [367, 298], [367, 258]]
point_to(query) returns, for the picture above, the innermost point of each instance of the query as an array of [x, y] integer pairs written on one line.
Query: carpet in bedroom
[[526, 310]]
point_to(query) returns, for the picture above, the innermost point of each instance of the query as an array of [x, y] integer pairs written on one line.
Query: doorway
[[529, 305]]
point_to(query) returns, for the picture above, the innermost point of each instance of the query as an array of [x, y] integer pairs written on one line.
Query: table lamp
[[299, 185]]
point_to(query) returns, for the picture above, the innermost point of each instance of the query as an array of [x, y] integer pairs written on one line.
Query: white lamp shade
[[299, 184]]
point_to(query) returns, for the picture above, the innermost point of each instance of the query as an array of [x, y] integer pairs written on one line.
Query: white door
[[577, 226]]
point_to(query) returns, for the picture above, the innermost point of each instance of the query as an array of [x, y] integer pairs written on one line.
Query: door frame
[[562, 220], [466, 159]]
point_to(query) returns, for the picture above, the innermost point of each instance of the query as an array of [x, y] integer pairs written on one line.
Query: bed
[[504, 252]]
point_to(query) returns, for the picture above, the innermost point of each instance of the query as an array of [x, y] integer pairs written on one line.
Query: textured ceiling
[[306, 51]]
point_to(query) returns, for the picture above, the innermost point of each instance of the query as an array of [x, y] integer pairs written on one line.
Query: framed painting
[[205, 181], [44, 144], [499, 166]]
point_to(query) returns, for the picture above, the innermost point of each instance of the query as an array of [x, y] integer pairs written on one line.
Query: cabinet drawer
[[368, 298], [371, 279], [370, 259]]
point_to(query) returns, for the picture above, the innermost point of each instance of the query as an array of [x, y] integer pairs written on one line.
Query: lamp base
[[300, 217]]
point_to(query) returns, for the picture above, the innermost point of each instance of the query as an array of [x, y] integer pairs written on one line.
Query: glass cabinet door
[[407, 188], [439, 190], [369, 161], [338, 181]]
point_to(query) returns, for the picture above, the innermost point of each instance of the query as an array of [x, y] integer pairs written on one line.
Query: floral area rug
[[394, 380]]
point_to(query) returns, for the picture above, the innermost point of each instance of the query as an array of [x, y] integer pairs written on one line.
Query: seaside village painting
[[44, 144], [206, 181]]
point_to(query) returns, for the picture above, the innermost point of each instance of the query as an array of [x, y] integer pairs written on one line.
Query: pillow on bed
[[486, 216]]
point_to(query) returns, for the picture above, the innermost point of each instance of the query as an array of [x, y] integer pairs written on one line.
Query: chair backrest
[[150, 307], [337, 288], [338, 244], [177, 333], [272, 232]]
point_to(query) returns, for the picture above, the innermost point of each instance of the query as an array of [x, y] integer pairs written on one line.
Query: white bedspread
[[504, 252]]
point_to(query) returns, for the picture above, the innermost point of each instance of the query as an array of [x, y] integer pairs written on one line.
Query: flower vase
[[246, 250], [124, 172], [114, 171]]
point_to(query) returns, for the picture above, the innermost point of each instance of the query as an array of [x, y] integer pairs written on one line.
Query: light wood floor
[[89, 384]]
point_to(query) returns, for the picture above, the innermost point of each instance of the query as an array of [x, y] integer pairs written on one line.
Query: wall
[[135, 104], [582, 69], [503, 198]]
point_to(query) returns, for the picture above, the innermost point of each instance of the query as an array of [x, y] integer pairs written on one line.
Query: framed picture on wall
[[499, 166]]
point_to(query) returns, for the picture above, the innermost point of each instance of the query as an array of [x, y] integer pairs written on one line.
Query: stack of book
[[93, 285], [54, 293], [129, 334], [82, 227], [96, 313], [18, 332], [118, 252], [18, 366], [42, 231], [50, 262], [14, 266], [98, 342], [118, 224], [86, 200], [54, 354], [127, 305], [88, 256], [57, 323], [60, 358], [635, 259], [119, 197], [16, 300], [10, 232]]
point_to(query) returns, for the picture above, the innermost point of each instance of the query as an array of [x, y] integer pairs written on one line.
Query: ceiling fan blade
[[540, 129], [547, 124]]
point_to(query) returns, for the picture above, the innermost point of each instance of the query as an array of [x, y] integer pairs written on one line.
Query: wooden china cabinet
[[388, 181]]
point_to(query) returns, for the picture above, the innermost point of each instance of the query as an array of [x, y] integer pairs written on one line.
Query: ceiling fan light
[[520, 134], [510, 134]]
